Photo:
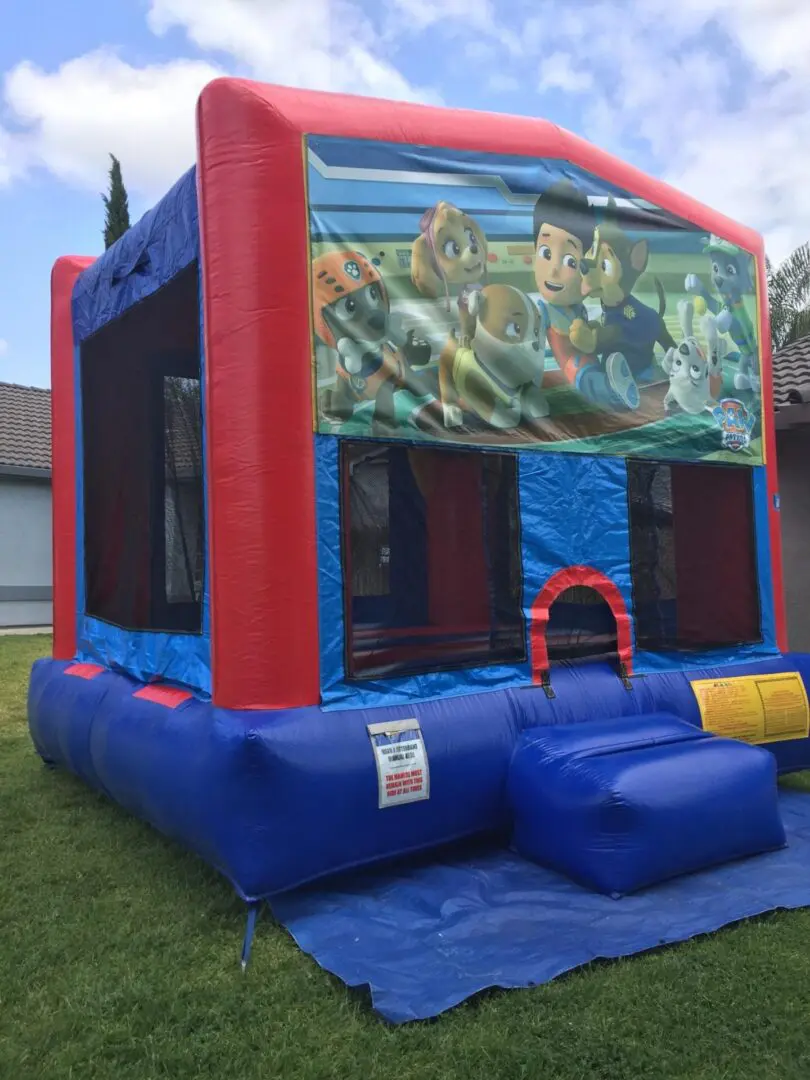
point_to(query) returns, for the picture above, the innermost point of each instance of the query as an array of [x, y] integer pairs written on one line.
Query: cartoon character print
[[449, 258], [500, 375], [610, 271], [689, 367], [564, 229], [731, 281], [352, 313]]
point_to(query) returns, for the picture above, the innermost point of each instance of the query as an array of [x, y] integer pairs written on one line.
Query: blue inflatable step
[[623, 804]]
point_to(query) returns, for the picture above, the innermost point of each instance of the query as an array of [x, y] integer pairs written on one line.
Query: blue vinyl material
[[425, 937], [573, 512], [164, 242], [146, 257], [618, 807], [251, 791]]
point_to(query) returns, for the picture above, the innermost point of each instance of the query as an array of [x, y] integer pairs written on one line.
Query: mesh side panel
[[652, 543], [183, 494], [142, 464], [693, 556], [431, 555]]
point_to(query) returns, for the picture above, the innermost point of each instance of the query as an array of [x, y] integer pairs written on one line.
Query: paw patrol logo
[[736, 423], [352, 268]]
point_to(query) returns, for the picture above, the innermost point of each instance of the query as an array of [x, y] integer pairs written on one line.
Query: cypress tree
[[116, 202]]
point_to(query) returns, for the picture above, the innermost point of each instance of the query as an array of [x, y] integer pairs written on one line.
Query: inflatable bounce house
[[414, 480]]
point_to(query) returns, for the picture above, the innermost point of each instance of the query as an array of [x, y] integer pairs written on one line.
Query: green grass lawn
[[119, 958]]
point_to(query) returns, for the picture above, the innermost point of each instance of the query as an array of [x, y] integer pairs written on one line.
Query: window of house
[[693, 555], [142, 468], [431, 553]]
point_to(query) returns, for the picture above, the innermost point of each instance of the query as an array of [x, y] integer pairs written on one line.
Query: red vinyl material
[[253, 221], [771, 468], [64, 456]]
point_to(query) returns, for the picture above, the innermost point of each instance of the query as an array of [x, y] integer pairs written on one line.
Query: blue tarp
[[428, 937]]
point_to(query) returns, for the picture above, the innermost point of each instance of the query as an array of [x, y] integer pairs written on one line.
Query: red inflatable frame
[[253, 198]]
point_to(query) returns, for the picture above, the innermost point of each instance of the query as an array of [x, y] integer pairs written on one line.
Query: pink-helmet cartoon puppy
[[449, 256]]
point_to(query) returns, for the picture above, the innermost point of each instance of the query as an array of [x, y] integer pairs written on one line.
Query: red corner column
[[260, 467], [769, 444], [64, 456]]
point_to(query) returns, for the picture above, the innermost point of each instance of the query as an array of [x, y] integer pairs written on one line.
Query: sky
[[710, 95]]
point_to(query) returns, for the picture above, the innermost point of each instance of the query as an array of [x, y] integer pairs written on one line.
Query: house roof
[[25, 428], [791, 374]]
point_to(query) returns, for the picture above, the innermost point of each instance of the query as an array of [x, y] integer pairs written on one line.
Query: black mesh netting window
[[581, 626], [144, 521], [693, 555], [431, 550]]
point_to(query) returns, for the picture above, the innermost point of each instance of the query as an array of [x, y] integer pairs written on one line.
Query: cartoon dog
[[610, 271], [499, 376], [731, 279], [352, 312], [450, 257], [716, 352], [688, 368]]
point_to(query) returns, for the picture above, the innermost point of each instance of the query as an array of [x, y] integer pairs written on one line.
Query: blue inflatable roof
[[152, 252]]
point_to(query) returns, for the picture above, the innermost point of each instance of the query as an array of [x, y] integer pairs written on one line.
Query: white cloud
[[557, 72], [69, 119], [3, 347], [503, 84], [318, 44], [73, 117], [468, 20], [719, 90]]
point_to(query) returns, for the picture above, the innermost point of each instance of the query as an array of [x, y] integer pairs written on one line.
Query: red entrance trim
[[567, 579]]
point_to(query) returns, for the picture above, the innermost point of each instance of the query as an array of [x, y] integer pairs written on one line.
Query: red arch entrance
[[558, 583]]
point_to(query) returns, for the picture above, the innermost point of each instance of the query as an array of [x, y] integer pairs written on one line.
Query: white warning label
[[402, 765]]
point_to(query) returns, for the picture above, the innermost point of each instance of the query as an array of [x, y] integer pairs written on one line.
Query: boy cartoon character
[[450, 257], [610, 272], [564, 229], [731, 279]]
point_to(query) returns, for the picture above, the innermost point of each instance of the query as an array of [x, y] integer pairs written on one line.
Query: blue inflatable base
[[278, 799], [425, 938]]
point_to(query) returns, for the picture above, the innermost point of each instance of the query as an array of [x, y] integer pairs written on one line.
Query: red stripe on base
[[170, 696], [84, 671]]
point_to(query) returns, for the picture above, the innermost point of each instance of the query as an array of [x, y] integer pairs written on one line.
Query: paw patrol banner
[[474, 299]]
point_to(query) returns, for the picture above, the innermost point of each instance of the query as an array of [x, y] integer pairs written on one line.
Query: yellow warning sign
[[755, 708]]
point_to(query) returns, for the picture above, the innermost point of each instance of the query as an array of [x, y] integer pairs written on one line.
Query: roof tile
[[791, 371], [25, 426]]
